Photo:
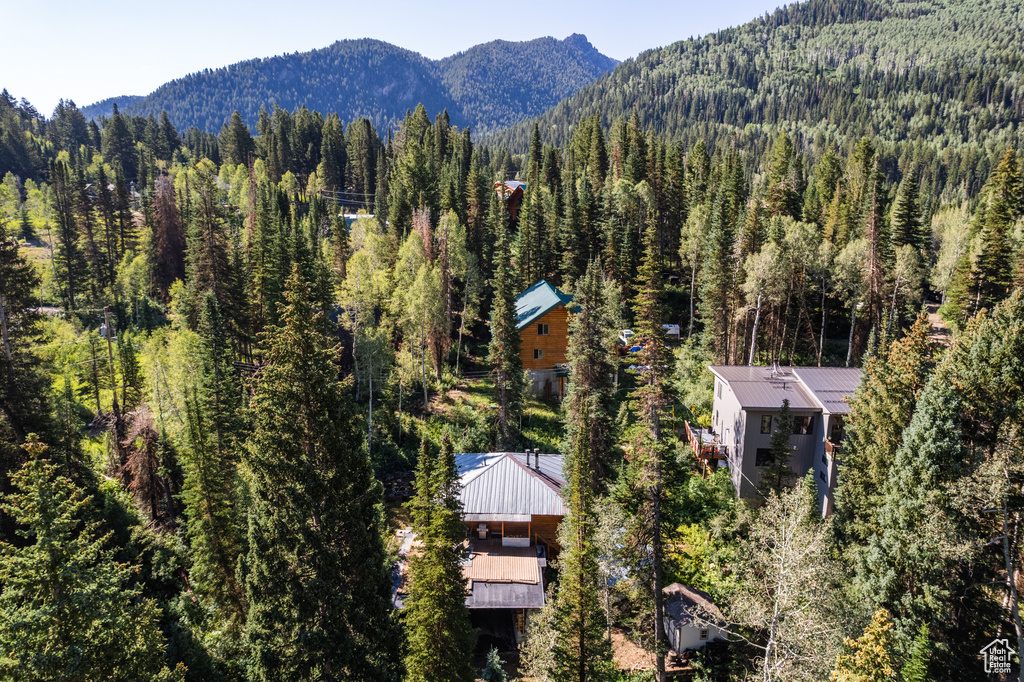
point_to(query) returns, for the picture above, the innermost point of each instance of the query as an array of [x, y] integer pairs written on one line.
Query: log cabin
[[543, 324]]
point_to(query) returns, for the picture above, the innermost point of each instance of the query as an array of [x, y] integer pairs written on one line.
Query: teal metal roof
[[538, 301]]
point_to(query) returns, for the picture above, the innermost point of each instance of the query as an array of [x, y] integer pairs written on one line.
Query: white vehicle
[[624, 336]]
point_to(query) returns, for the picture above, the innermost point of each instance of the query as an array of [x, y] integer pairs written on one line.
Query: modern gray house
[[744, 415]]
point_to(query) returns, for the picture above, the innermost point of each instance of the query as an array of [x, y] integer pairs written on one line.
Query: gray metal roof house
[[744, 414], [511, 505]]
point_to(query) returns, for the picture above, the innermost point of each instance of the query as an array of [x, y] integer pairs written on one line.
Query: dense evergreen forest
[[218, 348], [487, 87], [936, 80]]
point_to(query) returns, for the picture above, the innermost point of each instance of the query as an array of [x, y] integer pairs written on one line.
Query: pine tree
[[783, 197], [69, 263], [439, 633], [503, 352], [209, 473], [333, 155], [582, 652], [716, 283], [776, 473], [648, 451], [207, 262], [67, 433], [66, 611], [915, 667], [880, 410], [168, 260], [870, 657], [906, 227], [494, 670], [591, 345], [993, 272], [23, 385], [118, 145], [959, 415], [315, 575]]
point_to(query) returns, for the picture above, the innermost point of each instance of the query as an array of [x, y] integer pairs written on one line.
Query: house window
[[836, 431], [762, 456], [766, 423], [542, 330], [805, 425], [824, 461], [821, 475], [704, 634], [538, 353], [718, 389]]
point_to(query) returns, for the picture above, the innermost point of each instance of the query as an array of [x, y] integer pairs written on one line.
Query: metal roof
[[499, 486], [762, 388], [506, 595], [538, 301], [806, 388], [686, 605], [831, 386]]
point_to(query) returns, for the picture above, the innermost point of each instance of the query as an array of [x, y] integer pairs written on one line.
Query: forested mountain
[[498, 82], [941, 72], [105, 107], [488, 86]]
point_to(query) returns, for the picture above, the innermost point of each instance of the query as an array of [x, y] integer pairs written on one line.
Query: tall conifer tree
[[582, 651], [440, 635], [315, 572], [67, 611], [648, 451], [503, 353]]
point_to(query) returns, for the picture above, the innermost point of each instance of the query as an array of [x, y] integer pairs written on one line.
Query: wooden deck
[[493, 563]]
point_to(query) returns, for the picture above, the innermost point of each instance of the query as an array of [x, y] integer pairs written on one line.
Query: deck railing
[[702, 450]]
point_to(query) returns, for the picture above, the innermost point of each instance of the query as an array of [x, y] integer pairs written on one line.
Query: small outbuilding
[[691, 618]]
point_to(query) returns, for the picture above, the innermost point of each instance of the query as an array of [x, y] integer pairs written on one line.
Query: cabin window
[[821, 475], [704, 634], [718, 389], [538, 353], [805, 425], [824, 460], [542, 330], [766, 423], [763, 456]]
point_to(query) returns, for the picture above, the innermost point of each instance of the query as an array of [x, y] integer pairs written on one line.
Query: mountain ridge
[[487, 86], [935, 69]]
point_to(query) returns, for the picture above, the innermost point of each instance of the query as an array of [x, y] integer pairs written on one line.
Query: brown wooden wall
[[554, 344], [545, 529]]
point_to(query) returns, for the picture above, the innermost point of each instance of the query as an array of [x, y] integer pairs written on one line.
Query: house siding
[[684, 637], [554, 344]]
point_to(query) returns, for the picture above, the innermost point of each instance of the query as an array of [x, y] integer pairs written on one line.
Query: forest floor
[[629, 657], [941, 334]]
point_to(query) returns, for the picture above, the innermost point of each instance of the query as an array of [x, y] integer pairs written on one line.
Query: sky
[[93, 49]]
